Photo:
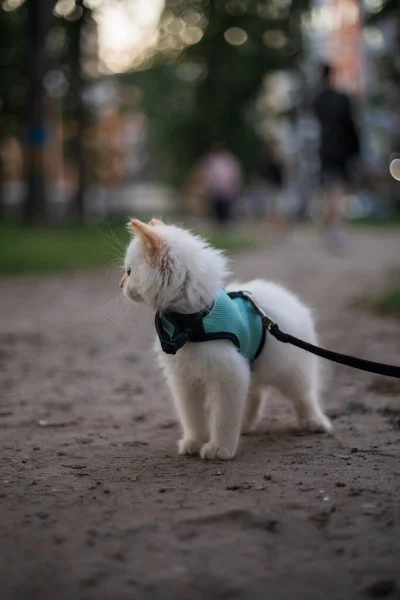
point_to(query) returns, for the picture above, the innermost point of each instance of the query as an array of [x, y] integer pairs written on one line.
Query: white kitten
[[215, 391]]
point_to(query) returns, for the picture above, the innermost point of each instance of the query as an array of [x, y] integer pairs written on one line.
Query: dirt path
[[94, 501]]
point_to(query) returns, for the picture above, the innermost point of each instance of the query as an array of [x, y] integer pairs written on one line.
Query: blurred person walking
[[222, 180], [339, 147], [272, 173]]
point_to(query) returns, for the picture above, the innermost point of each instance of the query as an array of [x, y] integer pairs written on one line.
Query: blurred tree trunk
[[39, 20], [76, 92]]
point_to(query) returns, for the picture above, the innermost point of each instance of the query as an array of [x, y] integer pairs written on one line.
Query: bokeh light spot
[[394, 169], [10, 5], [274, 38], [63, 8], [236, 36], [236, 8]]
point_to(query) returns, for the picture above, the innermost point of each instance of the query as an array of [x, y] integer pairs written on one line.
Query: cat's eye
[[128, 272]]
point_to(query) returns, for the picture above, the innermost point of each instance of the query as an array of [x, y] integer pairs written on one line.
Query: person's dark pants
[[334, 171], [222, 209]]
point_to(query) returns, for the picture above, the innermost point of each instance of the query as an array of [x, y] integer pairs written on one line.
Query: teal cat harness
[[233, 316], [237, 317]]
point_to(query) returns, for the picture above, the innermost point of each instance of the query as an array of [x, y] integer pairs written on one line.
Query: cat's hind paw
[[212, 451], [318, 423], [249, 426], [189, 446]]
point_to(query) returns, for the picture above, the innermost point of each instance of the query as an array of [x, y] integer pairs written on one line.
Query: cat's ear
[[151, 240], [155, 221]]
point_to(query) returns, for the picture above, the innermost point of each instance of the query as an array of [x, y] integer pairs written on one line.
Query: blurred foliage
[[206, 92], [62, 61], [13, 64], [386, 95], [40, 57], [389, 66], [387, 8], [194, 94]]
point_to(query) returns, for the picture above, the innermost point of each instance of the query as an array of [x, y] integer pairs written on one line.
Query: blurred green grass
[[63, 248], [389, 302], [390, 222]]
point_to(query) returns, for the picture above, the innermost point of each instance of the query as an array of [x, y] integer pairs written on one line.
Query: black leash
[[343, 359]]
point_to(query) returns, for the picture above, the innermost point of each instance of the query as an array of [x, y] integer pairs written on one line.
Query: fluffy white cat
[[216, 393]]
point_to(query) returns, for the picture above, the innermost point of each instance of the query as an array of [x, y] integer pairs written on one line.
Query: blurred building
[[333, 31], [361, 40]]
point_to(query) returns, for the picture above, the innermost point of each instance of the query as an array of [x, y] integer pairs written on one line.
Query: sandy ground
[[94, 501]]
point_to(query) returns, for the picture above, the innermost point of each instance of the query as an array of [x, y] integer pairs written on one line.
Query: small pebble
[[42, 515], [138, 418], [355, 492], [272, 525], [59, 539], [354, 406], [381, 588], [118, 556]]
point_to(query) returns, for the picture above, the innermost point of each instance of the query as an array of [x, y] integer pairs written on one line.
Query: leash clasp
[[267, 321]]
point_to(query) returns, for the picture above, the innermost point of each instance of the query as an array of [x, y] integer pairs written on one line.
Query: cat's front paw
[[211, 451], [189, 446]]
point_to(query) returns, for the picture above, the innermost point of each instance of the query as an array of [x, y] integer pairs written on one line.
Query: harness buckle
[[176, 343]]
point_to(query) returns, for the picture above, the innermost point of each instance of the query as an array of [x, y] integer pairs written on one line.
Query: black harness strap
[[343, 359]]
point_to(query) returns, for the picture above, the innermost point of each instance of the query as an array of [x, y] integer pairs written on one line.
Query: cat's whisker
[[125, 308], [112, 316], [112, 238], [117, 309], [110, 241], [112, 304], [115, 261], [117, 255], [117, 241]]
